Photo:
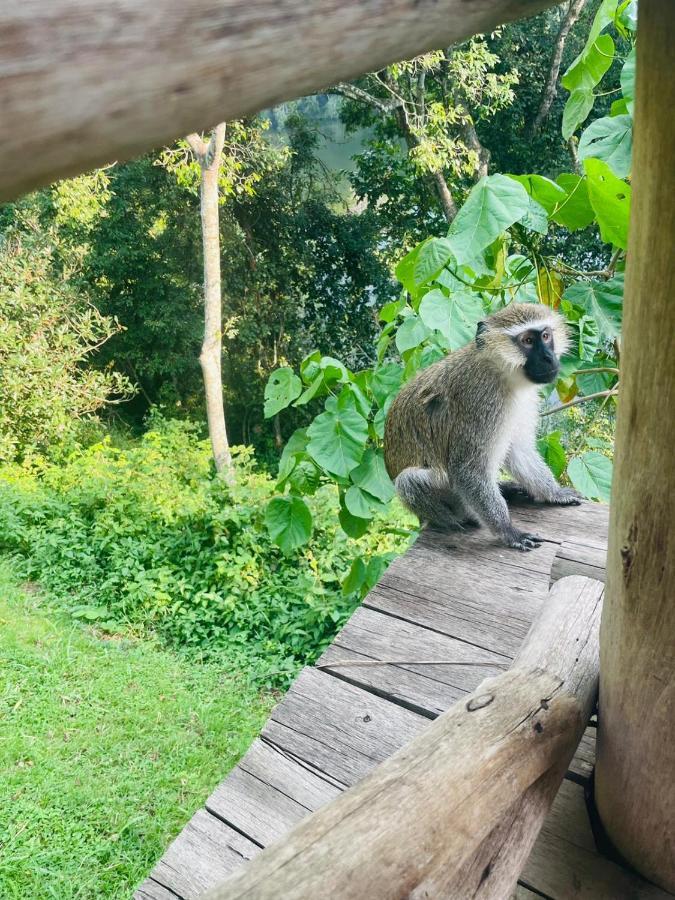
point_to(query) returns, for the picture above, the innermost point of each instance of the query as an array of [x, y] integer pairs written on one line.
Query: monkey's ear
[[481, 328]]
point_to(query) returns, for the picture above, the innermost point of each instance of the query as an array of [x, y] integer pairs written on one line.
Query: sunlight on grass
[[106, 748]]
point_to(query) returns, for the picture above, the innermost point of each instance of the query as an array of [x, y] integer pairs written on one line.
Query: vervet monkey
[[457, 423]]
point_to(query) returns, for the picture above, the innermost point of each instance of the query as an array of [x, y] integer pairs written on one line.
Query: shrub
[[145, 535]]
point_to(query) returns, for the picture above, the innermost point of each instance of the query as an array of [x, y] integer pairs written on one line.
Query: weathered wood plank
[[574, 558], [565, 863], [152, 890], [206, 851], [338, 728]]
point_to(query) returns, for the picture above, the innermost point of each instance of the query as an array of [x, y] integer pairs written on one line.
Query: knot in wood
[[479, 702]]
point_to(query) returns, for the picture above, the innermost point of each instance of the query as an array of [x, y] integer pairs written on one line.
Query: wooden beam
[[635, 776], [456, 811], [86, 82]]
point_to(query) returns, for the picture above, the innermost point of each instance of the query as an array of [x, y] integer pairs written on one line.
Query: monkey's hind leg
[[427, 494]]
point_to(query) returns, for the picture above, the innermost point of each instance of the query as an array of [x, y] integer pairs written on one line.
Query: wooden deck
[[460, 598]]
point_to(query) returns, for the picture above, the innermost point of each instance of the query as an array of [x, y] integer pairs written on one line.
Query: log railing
[[86, 82], [455, 812]]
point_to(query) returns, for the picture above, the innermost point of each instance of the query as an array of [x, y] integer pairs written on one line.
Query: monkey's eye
[[527, 339], [546, 337]]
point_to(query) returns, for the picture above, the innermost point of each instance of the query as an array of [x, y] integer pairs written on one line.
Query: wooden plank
[[429, 689], [204, 853], [338, 728], [152, 890], [565, 863], [574, 558], [268, 793]]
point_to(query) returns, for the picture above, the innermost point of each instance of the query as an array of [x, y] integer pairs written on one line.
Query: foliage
[[495, 252], [146, 535], [48, 330], [108, 744]]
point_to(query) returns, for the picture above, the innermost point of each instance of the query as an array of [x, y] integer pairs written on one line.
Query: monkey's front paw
[[523, 540], [567, 497]]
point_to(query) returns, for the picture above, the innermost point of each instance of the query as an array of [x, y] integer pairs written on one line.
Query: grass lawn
[[106, 748]]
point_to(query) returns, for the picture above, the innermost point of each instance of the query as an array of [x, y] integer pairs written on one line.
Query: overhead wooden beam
[[635, 776], [456, 811], [86, 82]]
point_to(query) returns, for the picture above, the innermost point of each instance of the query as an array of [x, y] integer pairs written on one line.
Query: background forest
[[363, 233]]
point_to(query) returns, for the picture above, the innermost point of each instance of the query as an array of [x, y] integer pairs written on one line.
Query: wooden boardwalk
[[460, 598]]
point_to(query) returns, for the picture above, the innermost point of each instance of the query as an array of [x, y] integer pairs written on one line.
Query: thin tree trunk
[[551, 86], [444, 195], [211, 353], [635, 774]]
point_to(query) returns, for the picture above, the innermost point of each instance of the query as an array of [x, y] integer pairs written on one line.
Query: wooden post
[[635, 775], [456, 811], [86, 82]]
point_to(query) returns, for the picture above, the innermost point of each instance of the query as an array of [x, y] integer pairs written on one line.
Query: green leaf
[[309, 367], [282, 387], [353, 526], [611, 140], [289, 522], [390, 311], [591, 475], [628, 81], [589, 67], [543, 190], [434, 255], [355, 577], [337, 439], [619, 107], [405, 269], [603, 300], [386, 382], [553, 452], [592, 383], [536, 218], [360, 504], [575, 211], [578, 106], [610, 199], [295, 446], [371, 476], [411, 333], [305, 477], [456, 317], [493, 205]]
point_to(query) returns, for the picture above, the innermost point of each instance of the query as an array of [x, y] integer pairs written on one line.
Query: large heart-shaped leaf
[[492, 206], [543, 190], [579, 104], [371, 476], [434, 255], [289, 522], [591, 475], [386, 381], [411, 333], [456, 317], [282, 387], [628, 81], [575, 211], [611, 140], [610, 199], [588, 68], [553, 452], [603, 300], [337, 439]]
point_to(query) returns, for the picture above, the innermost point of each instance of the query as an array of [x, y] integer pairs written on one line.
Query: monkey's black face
[[541, 363]]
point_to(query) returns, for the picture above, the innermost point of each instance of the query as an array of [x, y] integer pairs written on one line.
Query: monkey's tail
[[428, 494]]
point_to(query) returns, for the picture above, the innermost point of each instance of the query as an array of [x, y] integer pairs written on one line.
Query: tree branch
[[551, 86], [352, 92], [610, 393], [198, 146]]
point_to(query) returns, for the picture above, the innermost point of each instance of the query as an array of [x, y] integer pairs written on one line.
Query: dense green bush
[[146, 535]]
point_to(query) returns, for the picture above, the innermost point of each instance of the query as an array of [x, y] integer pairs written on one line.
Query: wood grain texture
[[85, 82], [579, 558], [635, 783], [414, 826]]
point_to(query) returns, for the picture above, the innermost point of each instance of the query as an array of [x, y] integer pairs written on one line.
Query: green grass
[[106, 749]]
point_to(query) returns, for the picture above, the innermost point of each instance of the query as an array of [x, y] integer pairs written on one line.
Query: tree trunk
[[551, 86], [444, 195], [211, 353], [635, 775]]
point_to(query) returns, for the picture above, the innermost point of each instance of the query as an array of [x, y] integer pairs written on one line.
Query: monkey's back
[[436, 410]]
